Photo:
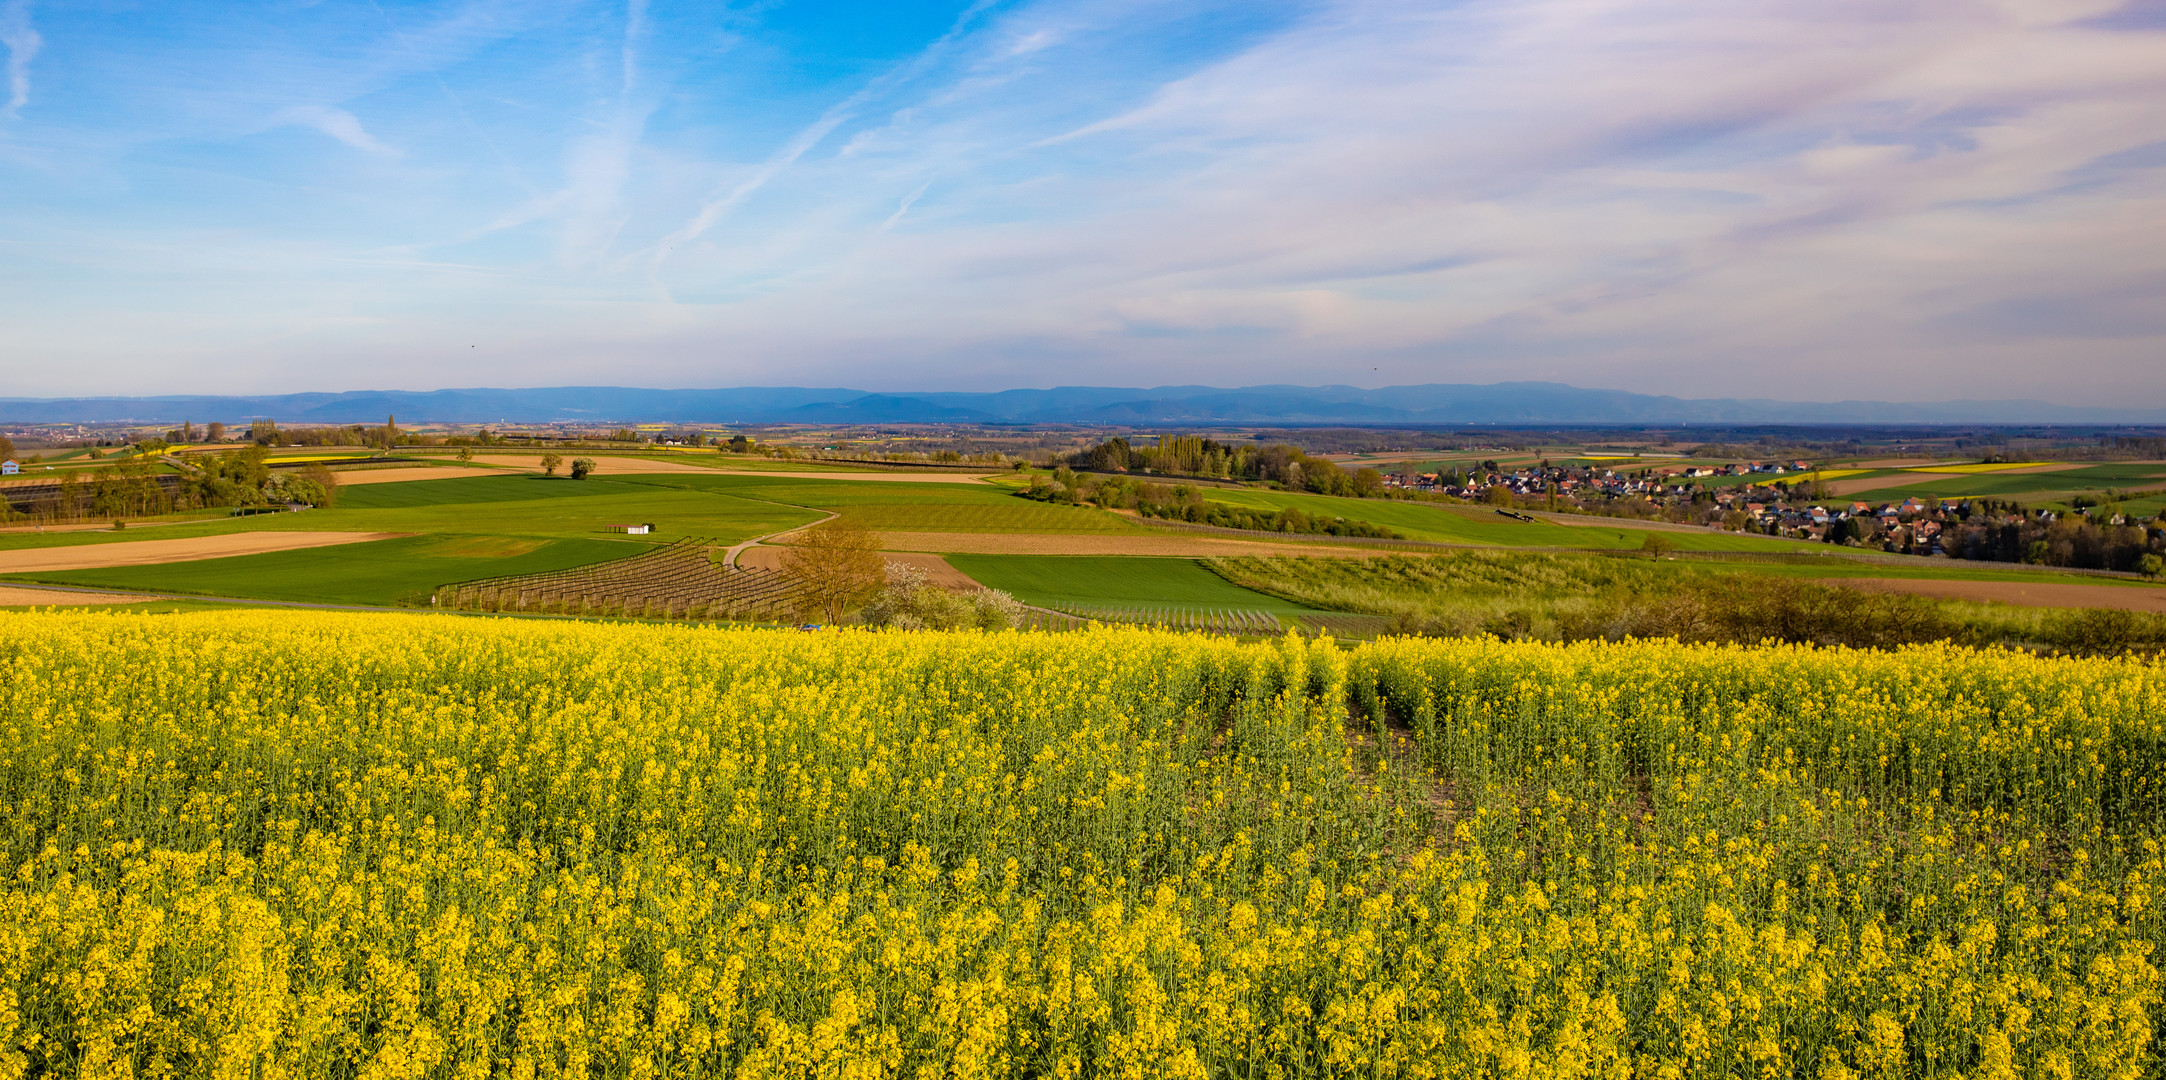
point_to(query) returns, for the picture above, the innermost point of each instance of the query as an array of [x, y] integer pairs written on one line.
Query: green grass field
[[511, 487], [2033, 487], [586, 509], [387, 572], [489, 525], [1481, 525], [509, 505], [910, 507], [1023, 517], [1112, 581]]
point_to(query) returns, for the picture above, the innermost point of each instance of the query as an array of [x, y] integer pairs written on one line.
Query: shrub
[[911, 601]]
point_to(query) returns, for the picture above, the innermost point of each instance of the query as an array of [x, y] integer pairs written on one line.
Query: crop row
[[1209, 621], [679, 581]]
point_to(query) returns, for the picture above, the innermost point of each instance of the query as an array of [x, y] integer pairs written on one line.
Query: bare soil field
[[148, 552], [1183, 547], [18, 596], [423, 472], [935, 567], [604, 465], [2021, 594], [1860, 484], [870, 477]]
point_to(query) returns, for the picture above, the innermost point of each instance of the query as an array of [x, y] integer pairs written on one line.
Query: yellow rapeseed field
[[326, 845], [1977, 467]]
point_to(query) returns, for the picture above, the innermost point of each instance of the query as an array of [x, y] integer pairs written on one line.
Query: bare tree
[[836, 566]]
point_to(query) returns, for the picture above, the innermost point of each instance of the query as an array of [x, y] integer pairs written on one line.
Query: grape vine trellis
[[677, 581]]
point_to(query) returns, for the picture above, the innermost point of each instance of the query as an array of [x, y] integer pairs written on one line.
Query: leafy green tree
[[581, 467], [1657, 545], [549, 462], [2150, 565]]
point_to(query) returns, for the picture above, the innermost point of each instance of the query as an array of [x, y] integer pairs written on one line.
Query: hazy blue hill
[[1431, 403]]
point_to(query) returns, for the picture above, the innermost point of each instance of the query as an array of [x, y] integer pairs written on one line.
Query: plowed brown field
[[603, 466], [1858, 485], [935, 567], [419, 472]]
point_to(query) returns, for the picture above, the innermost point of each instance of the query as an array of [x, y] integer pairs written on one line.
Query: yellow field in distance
[[1978, 467]]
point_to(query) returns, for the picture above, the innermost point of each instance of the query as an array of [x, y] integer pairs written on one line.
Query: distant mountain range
[[1167, 406]]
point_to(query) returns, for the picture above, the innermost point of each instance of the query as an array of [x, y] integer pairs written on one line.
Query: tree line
[[134, 488], [1186, 502], [2070, 541], [1198, 456]]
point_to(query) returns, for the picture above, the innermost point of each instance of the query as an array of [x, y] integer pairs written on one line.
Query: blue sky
[[1805, 199]]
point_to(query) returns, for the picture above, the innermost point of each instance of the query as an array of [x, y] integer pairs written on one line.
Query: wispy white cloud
[[337, 123], [1609, 191], [1801, 198], [635, 28], [23, 42], [727, 201], [903, 207]]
